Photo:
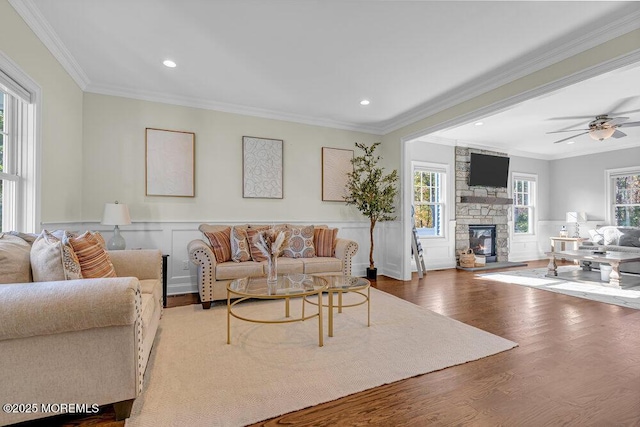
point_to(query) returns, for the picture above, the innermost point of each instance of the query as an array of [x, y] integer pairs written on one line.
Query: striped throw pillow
[[325, 241], [220, 243], [256, 254], [94, 260]]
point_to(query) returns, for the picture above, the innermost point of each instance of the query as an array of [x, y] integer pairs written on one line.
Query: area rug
[[195, 378], [628, 296]]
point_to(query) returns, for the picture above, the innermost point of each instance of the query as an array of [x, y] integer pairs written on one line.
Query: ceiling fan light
[[600, 134]]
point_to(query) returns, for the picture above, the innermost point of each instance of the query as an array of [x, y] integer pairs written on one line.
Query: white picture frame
[[169, 163], [262, 171]]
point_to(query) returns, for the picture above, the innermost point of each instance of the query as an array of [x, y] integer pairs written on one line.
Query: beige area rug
[[195, 379]]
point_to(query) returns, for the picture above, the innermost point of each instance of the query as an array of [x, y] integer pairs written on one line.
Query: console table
[[564, 240]]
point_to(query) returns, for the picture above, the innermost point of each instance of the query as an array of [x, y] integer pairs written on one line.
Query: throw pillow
[[51, 259], [629, 237], [256, 254], [220, 243], [94, 260], [14, 259], [324, 241], [611, 235], [596, 237], [300, 243], [240, 251]]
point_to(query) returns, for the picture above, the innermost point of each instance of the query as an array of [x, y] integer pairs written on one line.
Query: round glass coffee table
[[340, 284], [288, 286]]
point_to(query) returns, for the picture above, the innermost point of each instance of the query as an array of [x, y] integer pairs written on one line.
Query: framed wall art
[[336, 164], [262, 168], [169, 163]]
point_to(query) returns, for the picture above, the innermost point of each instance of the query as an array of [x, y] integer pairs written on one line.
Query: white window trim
[[522, 176], [609, 174], [15, 81], [444, 169]]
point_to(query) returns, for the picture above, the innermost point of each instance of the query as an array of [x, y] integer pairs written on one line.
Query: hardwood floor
[[577, 363]]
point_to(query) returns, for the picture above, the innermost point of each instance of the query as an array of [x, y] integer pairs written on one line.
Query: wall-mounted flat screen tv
[[488, 171]]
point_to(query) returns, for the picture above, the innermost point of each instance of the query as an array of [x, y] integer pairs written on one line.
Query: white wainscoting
[[439, 253], [172, 239]]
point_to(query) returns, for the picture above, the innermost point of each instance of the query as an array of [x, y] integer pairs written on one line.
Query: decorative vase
[[272, 273]]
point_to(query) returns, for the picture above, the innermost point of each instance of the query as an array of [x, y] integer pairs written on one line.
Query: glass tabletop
[[288, 285], [346, 283]]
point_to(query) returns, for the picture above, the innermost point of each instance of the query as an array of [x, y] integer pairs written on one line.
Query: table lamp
[[576, 218], [116, 214]]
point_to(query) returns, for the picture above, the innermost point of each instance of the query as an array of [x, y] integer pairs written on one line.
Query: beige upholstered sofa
[[80, 342], [214, 276]]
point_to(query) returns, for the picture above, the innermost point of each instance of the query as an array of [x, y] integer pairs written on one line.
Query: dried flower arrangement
[[270, 242]]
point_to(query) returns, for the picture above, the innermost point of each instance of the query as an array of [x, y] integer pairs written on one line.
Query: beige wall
[[114, 158], [61, 136]]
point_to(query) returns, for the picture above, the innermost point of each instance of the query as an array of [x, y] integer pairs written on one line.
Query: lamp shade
[[576, 217], [116, 214]]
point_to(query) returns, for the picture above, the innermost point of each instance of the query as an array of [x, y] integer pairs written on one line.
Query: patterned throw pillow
[[94, 260], [324, 241], [256, 254], [52, 259], [240, 251], [300, 243], [220, 243]]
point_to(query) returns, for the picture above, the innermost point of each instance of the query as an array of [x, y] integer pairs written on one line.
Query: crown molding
[[40, 26], [227, 108], [537, 60], [469, 144]]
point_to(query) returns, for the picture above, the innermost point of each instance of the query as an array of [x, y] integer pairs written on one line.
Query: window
[[429, 198], [626, 198], [19, 208], [524, 202]]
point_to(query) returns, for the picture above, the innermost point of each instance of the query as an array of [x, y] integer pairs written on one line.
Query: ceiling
[[314, 61]]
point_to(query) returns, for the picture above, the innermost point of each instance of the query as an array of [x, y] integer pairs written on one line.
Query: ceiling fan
[[601, 128]]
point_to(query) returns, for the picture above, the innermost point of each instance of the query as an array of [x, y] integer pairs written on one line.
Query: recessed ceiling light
[[169, 63], [571, 142], [478, 123], [365, 102]]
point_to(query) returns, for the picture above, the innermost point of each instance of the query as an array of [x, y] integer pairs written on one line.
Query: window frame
[[443, 170], [24, 123], [610, 175], [533, 202]]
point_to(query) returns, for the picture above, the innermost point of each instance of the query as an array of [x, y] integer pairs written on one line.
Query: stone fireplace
[[480, 206]]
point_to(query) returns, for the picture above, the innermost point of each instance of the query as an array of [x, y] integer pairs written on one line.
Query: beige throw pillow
[[51, 259], [15, 266]]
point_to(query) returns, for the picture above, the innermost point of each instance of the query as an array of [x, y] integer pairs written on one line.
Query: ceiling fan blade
[[617, 113], [568, 130], [618, 134], [572, 118], [616, 121], [620, 104], [629, 125], [571, 137]]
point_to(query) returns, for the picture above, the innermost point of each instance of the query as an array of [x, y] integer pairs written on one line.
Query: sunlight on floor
[[599, 290], [521, 280]]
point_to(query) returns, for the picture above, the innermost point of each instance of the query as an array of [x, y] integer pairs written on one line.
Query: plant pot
[[372, 273]]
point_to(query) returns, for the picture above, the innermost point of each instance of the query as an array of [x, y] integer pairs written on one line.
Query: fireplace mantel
[[486, 200]]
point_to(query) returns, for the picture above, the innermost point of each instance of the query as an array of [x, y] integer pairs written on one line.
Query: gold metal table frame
[[299, 286], [340, 284]]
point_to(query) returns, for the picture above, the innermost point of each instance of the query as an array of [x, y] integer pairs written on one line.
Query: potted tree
[[371, 192]]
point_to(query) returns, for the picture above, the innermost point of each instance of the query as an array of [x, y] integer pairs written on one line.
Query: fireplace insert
[[482, 241]]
